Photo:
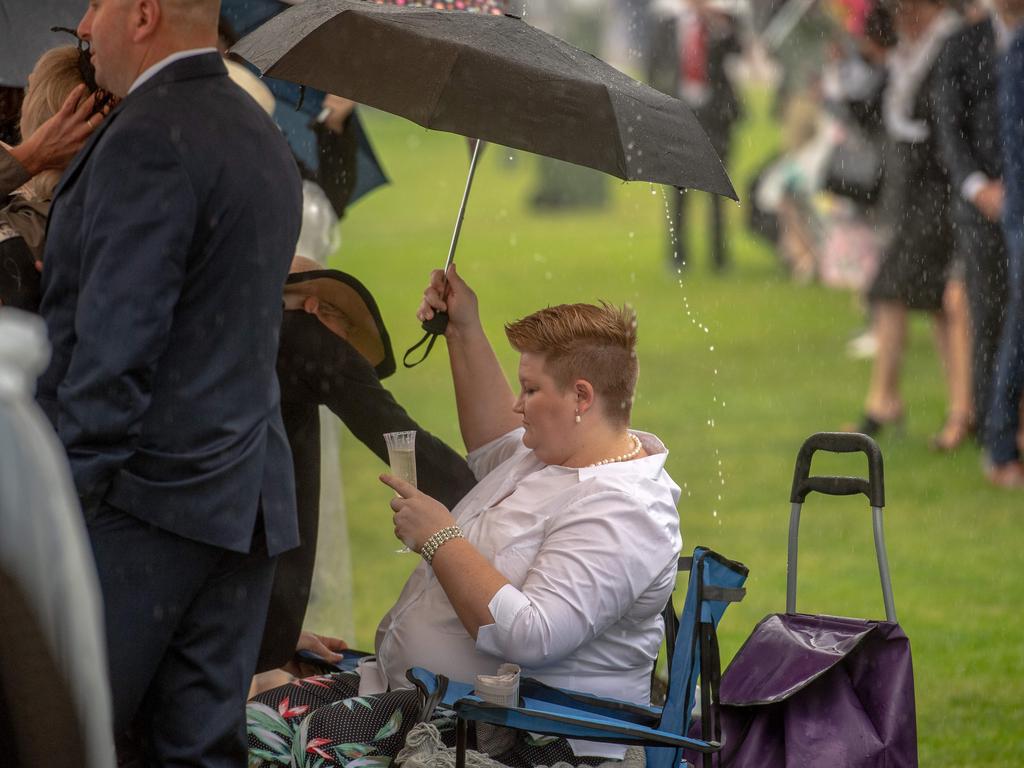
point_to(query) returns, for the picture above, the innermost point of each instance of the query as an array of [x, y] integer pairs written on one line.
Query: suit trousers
[[721, 141], [983, 249], [1004, 410], [184, 621]]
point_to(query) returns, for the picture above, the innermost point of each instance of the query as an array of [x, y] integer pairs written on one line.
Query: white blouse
[[590, 555]]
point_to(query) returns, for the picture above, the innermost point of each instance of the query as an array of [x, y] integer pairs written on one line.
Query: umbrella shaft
[[462, 208]]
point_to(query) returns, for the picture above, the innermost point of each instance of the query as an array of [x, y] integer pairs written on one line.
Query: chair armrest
[[532, 688], [428, 683], [554, 720]]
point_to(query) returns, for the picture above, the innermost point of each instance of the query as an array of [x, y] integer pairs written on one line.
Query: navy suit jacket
[[169, 242], [967, 112], [1011, 110]]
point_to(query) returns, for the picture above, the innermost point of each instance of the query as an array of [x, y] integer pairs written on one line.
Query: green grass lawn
[[736, 371]]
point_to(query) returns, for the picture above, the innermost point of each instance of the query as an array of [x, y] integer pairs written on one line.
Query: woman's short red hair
[[585, 341]]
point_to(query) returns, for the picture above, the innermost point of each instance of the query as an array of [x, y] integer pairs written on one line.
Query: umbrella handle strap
[[434, 327]]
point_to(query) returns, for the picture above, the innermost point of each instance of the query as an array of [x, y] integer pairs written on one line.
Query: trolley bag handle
[[839, 442], [873, 488]]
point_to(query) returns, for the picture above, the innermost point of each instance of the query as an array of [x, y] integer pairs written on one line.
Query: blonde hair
[[54, 76], [585, 341]]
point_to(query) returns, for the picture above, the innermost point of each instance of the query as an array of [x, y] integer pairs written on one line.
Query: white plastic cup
[[402, 454], [502, 688]]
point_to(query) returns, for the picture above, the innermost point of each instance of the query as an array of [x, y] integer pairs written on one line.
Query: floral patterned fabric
[[347, 730], [320, 722]]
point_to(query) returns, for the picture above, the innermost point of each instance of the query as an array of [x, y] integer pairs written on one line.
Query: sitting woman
[[559, 560]]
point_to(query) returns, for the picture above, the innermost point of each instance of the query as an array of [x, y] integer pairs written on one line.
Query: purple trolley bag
[[808, 690]]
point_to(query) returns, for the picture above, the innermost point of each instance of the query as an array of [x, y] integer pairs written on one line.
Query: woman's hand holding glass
[[417, 516]]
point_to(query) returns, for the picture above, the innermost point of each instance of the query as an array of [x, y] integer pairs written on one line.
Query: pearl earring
[[578, 416]]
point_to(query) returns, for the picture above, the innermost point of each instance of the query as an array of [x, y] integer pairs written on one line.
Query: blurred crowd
[[897, 120], [893, 181]]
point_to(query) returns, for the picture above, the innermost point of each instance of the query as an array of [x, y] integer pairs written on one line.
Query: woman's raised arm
[[482, 393]]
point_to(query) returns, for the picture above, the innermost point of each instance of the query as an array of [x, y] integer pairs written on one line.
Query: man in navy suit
[[1004, 454], [169, 243], [966, 103], [692, 43]]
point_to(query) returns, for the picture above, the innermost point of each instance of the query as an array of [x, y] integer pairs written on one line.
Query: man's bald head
[[129, 36], [202, 13]]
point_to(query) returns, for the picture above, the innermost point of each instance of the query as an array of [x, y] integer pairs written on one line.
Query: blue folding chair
[[692, 653]]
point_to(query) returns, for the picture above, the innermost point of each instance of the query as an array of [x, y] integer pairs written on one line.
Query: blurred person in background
[[915, 262], [693, 45], [1002, 436], [966, 102]]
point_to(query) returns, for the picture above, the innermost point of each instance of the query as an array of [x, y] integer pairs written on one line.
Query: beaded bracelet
[[437, 539]]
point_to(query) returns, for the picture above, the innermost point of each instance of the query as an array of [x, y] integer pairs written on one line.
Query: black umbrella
[[492, 78], [25, 34]]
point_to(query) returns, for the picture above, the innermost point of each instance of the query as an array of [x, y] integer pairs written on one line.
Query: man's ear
[[148, 14]]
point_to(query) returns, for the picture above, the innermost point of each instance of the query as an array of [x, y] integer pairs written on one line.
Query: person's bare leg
[[884, 402], [953, 341]]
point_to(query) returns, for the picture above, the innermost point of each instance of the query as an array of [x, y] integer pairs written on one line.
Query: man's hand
[[989, 200], [56, 141]]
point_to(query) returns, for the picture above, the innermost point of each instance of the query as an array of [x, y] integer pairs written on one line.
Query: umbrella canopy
[[493, 78], [25, 34]]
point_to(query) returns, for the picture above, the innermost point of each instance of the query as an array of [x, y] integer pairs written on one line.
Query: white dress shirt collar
[[176, 56]]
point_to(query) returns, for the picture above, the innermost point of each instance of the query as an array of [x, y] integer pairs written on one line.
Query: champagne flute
[[402, 458]]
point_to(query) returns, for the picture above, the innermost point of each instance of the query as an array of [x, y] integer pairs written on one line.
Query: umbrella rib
[[443, 90], [619, 151]]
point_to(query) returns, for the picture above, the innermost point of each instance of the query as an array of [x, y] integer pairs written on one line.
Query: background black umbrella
[[493, 78], [25, 34], [324, 157]]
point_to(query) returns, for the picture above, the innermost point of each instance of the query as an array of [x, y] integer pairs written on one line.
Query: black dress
[[316, 367], [916, 197]]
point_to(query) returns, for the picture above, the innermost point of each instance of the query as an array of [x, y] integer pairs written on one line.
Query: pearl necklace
[[637, 447]]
